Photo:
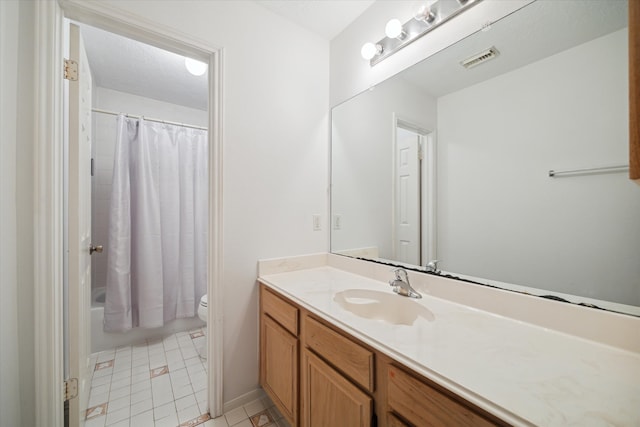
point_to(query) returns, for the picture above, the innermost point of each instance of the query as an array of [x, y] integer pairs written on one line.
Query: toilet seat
[[203, 307]]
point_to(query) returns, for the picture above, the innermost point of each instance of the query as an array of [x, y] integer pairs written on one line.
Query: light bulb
[[425, 14], [196, 68], [393, 28], [369, 50]]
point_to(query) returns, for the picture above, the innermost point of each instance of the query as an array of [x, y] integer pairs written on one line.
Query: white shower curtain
[[157, 248]]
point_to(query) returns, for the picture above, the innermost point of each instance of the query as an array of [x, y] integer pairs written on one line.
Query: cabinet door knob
[[93, 249]]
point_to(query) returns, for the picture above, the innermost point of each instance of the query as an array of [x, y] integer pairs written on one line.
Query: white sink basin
[[386, 306]]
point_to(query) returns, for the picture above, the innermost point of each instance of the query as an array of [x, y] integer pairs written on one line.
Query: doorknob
[[93, 249]]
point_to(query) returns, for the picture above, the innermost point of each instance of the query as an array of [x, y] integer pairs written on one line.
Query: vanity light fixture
[[394, 30], [369, 50], [425, 14], [195, 67], [429, 15]]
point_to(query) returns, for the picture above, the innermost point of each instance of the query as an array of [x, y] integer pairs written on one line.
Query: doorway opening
[[166, 357], [414, 198]]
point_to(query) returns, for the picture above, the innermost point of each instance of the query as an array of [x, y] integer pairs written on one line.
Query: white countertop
[[522, 373]]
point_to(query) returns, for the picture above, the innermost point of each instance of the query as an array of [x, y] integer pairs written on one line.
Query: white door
[[79, 220], [407, 201]]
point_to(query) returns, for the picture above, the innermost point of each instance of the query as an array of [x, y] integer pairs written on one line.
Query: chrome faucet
[[401, 285], [432, 266]]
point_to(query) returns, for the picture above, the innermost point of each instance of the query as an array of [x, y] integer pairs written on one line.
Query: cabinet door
[[279, 367], [329, 399]]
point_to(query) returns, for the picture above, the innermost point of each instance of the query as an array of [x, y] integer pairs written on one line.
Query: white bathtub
[[101, 340]]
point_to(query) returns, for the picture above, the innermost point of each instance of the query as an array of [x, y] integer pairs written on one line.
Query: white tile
[[141, 395], [179, 373], [171, 421], [236, 415], [116, 404], [173, 354], [244, 423], [162, 397], [96, 422], [188, 353], [164, 411], [185, 402], [99, 389], [179, 380], [105, 372], [143, 419], [199, 383], [117, 416], [145, 405], [189, 413], [123, 423], [176, 365], [123, 392], [181, 391], [137, 371], [157, 361], [120, 384], [98, 399], [140, 382], [216, 422], [254, 407], [122, 365], [105, 356], [100, 381]]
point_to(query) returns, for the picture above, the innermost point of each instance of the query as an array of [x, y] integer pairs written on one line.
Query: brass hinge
[[420, 151], [70, 70], [70, 389]]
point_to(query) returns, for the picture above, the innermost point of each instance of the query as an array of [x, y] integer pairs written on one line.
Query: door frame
[[49, 190], [428, 185]]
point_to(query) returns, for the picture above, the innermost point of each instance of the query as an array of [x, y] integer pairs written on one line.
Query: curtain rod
[[113, 113], [604, 169]]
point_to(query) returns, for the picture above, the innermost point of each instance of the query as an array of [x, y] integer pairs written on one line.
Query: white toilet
[[202, 308], [202, 314]]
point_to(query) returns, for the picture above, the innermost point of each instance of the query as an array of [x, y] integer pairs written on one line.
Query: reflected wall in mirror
[[452, 163]]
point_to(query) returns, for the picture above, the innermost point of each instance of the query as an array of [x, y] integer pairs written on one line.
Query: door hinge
[[70, 389], [420, 151], [70, 70]]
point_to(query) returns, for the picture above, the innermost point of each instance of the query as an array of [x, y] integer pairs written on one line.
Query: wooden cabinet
[[423, 405], [329, 399], [355, 361], [318, 376], [279, 356]]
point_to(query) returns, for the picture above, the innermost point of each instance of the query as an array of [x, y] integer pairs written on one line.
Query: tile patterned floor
[[162, 383]]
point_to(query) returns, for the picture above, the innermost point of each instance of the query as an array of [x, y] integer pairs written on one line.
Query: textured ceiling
[[129, 66]]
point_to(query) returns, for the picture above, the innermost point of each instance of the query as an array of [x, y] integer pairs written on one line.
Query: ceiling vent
[[480, 58]]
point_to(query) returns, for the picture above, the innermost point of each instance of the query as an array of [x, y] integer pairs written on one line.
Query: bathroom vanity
[[338, 347]]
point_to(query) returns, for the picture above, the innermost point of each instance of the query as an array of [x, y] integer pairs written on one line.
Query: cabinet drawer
[[354, 361], [279, 310], [423, 405]]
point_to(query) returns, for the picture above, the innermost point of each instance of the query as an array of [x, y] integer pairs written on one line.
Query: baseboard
[[243, 399]]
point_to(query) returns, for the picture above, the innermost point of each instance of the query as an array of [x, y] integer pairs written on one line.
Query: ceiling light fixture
[[429, 16], [195, 67]]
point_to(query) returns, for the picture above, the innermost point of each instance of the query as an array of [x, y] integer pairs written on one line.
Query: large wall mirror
[[451, 162]]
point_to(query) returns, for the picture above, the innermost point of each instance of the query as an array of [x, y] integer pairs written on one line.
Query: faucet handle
[[433, 265]]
